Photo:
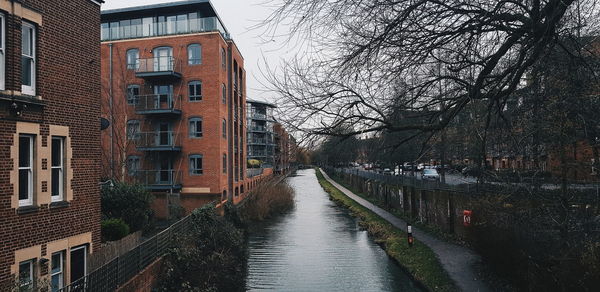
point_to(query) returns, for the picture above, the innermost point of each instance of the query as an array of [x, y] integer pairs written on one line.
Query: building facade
[[261, 142], [49, 141], [174, 90]]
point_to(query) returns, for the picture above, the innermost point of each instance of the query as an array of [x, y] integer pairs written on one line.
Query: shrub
[[114, 229], [266, 200], [209, 257], [128, 202]]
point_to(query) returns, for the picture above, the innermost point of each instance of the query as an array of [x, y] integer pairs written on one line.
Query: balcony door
[[163, 59], [164, 134], [165, 169], [163, 96]]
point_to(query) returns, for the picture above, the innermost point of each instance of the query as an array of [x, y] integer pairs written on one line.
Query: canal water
[[318, 247]]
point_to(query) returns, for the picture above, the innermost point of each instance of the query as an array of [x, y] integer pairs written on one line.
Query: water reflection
[[318, 247]]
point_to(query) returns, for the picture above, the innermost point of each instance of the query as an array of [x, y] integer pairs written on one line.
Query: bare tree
[[371, 58]]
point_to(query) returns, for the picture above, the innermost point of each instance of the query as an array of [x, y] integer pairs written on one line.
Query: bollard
[[410, 236]]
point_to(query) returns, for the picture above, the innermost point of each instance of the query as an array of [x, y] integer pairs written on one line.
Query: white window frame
[[31, 282], [2, 52], [224, 93], [194, 157], [135, 133], [132, 99], [193, 130], [136, 63], [61, 168], [131, 170], [26, 89], [197, 95], [60, 274], [30, 168], [196, 61]]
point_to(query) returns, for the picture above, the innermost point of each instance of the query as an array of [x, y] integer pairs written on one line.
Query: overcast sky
[[238, 16]]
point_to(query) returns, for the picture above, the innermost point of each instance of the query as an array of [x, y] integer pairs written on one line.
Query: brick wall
[[68, 66]]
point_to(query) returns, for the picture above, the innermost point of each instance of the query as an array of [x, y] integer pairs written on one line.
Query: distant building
[[50, 142], [174, 88], [261, 143], [285, 149]]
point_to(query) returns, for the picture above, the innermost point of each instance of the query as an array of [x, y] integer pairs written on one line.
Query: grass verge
[[418, 260], [430, 229]]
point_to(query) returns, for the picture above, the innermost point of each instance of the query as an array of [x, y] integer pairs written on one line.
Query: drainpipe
[[112, 118]]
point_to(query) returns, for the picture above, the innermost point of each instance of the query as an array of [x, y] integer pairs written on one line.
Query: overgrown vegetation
[[266, 200], [130, 203], [418, 260], [114, 229], [211, 256]]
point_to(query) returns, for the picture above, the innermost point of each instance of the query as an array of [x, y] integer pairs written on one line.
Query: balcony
[[158, 104], [256, 116], [258, 129], [257, 141], [159, 68], [158, 141], [158, 179], [152, 27]]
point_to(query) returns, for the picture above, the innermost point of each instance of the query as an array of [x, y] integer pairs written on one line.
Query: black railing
[[409, 181], [123, 268]]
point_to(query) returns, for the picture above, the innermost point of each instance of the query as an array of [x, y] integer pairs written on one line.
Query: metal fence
[[123, 268], [409, 181]]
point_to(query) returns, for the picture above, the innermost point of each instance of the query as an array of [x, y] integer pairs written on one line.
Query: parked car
[[422, 166], [387, 171], [430, 174]]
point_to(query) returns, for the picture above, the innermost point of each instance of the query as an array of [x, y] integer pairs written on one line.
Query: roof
[[154, 6], [260, 102], [173, 7]]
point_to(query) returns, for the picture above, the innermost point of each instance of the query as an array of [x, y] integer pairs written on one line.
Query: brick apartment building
[[173, 87], [49, 141], [285, 149]]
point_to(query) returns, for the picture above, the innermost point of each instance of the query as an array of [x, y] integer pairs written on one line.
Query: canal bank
[[319, 246], [418, 260], [458, 261]]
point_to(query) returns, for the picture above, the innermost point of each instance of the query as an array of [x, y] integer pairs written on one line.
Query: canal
[[318, 246]]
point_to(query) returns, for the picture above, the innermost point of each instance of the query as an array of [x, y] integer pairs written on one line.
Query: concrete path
[[458, 261]]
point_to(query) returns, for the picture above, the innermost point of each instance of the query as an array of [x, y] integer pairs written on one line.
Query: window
[[224, 163], [224, 128], [105, 31], [78, 262], [195, 128], [195, 164], [2, 45], [195, 90], [194, 54], [182, 23], [224, 93], [26, 275], [133, 93], [57, 271], [25, 170], [58, 168], [133, 165], [133, 59], [223, 58], [133, 129], [28, 58]]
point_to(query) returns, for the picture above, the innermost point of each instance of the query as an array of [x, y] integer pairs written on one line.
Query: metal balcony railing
[[157, 104], [158, 67], [158, 179], [258, 129], [259, 116], [158, 141]]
